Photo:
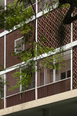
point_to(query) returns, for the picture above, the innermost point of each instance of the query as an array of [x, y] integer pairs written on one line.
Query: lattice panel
[[75, 67], [75, 26], [51, 27]]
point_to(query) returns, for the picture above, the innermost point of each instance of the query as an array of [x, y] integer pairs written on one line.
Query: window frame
[[15, 46]]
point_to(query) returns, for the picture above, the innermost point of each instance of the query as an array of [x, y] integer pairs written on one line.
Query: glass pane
[[32, 84], [49, 75], [19, 45], [57, 75], [42, 77], [65, 67], [63, 75], [68, 73]]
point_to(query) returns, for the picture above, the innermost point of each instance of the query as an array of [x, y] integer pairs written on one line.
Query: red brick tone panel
[[1, 30], [75, 67], [20, 98], [12, 82], [10, 38], [75, 26], [1, 51], [1, 103], [54, 88], [52, 28]]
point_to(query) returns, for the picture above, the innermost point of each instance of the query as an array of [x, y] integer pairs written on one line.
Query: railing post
[[54, 72], [71, 84], [5, 63], [5, 73], [36, 20]]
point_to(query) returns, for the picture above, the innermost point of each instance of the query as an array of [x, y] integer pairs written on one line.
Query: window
[[1, 86], [68, 73], [42, 77], [47, 75], [43, 5], [32, 84], [19, 45], [47, 3], [63, 75], [65, 71], [28, 3]]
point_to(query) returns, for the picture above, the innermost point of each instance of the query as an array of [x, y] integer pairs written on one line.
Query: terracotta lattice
[[51, 27], [75, 67], [75, 26]]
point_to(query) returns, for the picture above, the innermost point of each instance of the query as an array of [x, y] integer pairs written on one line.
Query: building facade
[[49, 89]]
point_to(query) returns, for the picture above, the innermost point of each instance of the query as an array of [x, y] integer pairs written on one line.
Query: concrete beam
[[40, 102]]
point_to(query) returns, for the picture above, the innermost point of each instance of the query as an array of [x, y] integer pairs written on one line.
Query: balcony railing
[[42, 91], [49, 82], [1, 103], [54, 88]]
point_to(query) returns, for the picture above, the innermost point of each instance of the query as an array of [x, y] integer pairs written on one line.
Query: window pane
[[49, 75], [57, 75], [31, 85], [42, 77], [68, 73], [65, 66], [63, 75], [19, 45]]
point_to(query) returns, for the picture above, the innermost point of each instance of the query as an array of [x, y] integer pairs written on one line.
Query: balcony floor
[[64, 104]]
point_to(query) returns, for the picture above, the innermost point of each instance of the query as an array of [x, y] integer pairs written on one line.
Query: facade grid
[[46, 82]]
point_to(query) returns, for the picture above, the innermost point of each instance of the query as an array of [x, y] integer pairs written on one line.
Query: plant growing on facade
[[19, 15]]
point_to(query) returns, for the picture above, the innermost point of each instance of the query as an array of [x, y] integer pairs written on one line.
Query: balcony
[[49, 82]]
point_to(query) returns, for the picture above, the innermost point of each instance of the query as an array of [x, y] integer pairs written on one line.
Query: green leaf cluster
[[19, 15]]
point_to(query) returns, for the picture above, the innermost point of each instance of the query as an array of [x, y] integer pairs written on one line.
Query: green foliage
[[1, 80], [65, 5], [26, 71], [17, 16], [1, 84], [1, 67], [26, 74]]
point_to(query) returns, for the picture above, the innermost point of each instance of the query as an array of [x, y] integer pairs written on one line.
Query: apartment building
[[51, 92]]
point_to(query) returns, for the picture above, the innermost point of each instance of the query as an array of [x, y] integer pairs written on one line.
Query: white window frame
[[15, 45]]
